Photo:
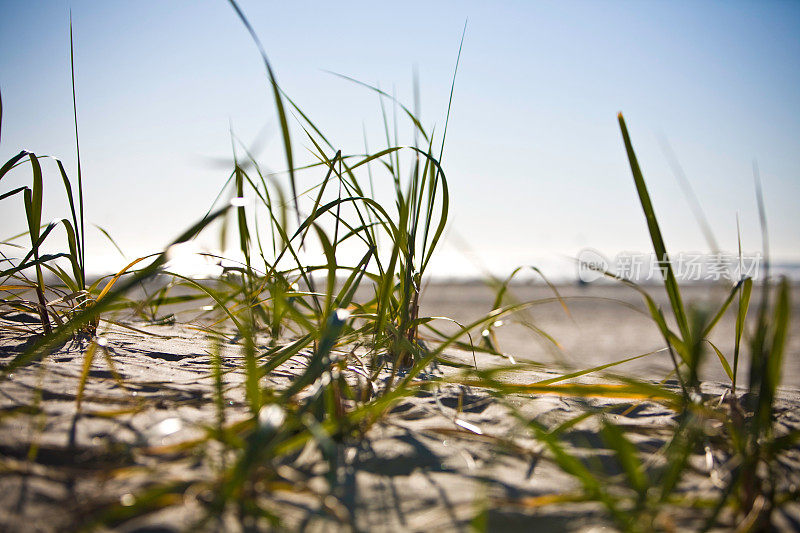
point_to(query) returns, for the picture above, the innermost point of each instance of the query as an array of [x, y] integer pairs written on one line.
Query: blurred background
[[533, 155]]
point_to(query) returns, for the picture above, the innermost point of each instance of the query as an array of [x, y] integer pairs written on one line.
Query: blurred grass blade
[[689, 194], [88, 359], [626, 454], [744, 303], [596, 368]]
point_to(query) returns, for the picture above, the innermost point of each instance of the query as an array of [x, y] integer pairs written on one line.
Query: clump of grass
[[56, 304], [313, 304], [648, 491]]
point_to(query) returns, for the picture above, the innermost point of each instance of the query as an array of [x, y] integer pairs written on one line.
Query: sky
[[534, 158]]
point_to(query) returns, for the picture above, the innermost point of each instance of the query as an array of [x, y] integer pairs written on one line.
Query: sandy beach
[[439, 459], [606, 323]]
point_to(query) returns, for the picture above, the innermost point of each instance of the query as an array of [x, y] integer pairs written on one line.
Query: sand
[[432, 463]]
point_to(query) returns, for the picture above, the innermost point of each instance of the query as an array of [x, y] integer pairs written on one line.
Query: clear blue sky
[[535, 162]]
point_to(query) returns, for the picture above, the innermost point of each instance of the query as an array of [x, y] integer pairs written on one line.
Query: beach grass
[[357, 327]]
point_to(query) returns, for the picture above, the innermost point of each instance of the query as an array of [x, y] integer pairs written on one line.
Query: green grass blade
[[81, 228], [321, 357], [721, 311], [88, 358], [276, 92], [331, 266], [394, 100], [34, 202], [219, 393], [33, 210], [626, 455], [570, 464], [580, 373], [12, 193], [108, 236], [348, 290], [660, 249], [281, 355], [744, 304], [11, 163], [452, 90], [81, 280], [213, 295], [251, 372], [774, 356], [74, 254], [36, 262], [723, 361]]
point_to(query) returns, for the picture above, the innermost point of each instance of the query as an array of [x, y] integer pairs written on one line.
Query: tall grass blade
[[452, 89], [660, 249], [741, 315], [81, 228], [689, 194], [276, 92], [33, 210]]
